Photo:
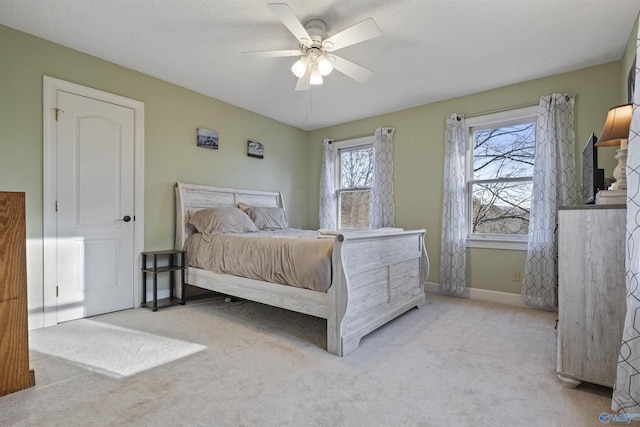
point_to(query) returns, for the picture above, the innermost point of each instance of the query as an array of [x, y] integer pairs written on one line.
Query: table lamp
[[616, 133]]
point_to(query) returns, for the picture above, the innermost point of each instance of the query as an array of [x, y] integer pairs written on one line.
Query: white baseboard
[[483, 295], [471, 293]]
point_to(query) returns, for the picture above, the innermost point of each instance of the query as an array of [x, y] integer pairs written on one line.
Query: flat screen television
[[592, 176]]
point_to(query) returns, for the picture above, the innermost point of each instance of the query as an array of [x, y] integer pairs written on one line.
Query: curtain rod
[[353, 137], [500, 110]]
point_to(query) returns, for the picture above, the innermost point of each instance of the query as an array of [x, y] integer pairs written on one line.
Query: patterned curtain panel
[[626, 391], [454, 219], [328, 207], [554, 185], [381, 204]]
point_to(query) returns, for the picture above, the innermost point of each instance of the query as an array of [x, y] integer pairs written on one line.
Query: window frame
[[347, 144], [498, 119]]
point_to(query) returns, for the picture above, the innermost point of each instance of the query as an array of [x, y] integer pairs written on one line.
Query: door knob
[[126, 218]]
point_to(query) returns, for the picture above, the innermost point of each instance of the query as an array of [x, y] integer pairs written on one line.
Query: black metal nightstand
[[174, 261]]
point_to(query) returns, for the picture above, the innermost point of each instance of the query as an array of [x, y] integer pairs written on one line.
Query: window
[[500, 177], [354, 175]]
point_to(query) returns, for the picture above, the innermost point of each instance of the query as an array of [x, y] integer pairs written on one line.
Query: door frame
[[51, 86]]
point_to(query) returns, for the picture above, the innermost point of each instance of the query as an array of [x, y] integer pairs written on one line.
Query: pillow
[[228, 219], [266, 217]]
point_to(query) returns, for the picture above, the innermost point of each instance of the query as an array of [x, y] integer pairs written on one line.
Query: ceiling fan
[[316, 48]]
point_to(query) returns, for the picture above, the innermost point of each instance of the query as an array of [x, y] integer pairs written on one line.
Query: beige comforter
[[301, 262]]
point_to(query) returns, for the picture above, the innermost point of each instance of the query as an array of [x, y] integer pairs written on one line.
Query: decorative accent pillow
[[228, 219], [266, 217]]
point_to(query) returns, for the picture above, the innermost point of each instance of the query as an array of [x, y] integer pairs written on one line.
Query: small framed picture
[[255, 149], [208, 138]]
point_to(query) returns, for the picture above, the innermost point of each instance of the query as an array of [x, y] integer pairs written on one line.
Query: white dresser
[[591, 292]]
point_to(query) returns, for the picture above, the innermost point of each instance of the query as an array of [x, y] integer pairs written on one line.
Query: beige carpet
[[454, 362]]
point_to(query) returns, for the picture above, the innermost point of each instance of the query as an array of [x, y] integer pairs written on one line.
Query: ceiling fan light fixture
[[324, 65], [299, 68], [316, 48], [315, 78]]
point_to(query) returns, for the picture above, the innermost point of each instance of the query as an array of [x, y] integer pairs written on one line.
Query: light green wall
[[419, 157], [172, 115]]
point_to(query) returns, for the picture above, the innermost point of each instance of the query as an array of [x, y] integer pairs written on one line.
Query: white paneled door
[[95, 206]]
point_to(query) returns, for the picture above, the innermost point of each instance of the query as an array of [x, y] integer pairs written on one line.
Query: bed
[[375, 275]]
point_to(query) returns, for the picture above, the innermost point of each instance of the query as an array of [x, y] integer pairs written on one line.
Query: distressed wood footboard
[[377, 277]]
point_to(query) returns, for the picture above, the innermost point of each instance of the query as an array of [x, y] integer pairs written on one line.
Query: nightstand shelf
[[173, 261]]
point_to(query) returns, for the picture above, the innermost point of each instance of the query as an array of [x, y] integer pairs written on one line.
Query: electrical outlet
[[516, 276]]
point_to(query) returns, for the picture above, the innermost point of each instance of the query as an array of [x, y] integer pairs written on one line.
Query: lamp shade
[[316, 77], [324, 65], [616, 127], [299, 68]]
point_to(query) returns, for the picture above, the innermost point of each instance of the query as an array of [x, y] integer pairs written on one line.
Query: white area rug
[[110, 350]]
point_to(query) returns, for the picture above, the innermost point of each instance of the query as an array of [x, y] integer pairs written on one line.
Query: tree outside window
[[356, 171], [501, 178]]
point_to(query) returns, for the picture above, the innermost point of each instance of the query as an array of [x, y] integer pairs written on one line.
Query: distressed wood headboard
[[193, 197]]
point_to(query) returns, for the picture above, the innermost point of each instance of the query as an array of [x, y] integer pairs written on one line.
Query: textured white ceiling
[[429, 50]]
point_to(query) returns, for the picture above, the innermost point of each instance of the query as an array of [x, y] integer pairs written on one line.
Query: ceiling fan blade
[[271, 54], [363, 30], [355, 71], [304, 82], [289, 19]]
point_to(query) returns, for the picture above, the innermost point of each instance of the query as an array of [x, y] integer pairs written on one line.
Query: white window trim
[[362, 141], [497, 242], [353, 142], [493, 241]]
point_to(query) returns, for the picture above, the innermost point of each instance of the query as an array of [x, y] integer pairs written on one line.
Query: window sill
[[513, 245]]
